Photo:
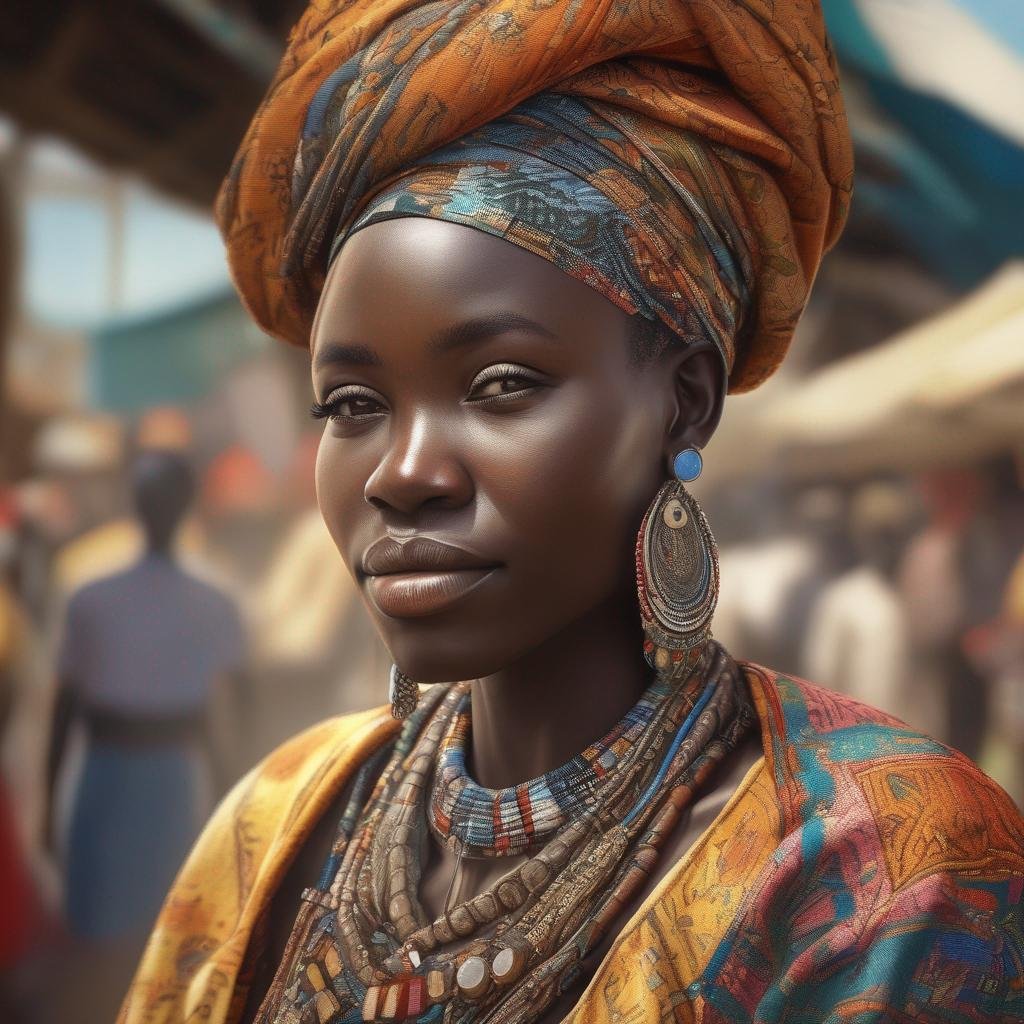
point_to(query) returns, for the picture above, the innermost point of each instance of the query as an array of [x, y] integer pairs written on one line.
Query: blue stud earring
[[687, 465]]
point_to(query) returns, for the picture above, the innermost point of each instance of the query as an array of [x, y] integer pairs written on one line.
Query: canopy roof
[[164, 87], [949, 390]]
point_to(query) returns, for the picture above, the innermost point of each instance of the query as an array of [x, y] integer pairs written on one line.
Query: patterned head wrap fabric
[[689, 159]]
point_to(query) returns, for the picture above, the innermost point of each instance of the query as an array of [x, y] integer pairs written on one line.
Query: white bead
[[472, 976], [503, 964], [674, 515]]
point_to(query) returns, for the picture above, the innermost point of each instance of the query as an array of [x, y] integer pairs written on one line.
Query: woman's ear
[[698, 392]]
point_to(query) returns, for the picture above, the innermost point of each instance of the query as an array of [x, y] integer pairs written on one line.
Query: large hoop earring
[[676, 574], [403, 694]]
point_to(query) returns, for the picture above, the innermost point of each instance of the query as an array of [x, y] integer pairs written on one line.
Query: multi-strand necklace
[[364, 949], [478, 822]]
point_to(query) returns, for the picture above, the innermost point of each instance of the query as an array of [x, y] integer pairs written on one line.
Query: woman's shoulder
[[321, 745], [844, 767], [863, 868], [191, 963], [270, 809]]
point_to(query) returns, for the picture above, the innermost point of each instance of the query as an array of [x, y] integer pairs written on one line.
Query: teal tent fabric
[[174, 356], [946, 188]]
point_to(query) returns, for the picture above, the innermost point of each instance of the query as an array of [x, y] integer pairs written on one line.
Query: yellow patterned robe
[[860, 872]]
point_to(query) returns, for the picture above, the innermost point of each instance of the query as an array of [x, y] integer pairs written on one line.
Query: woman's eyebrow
[[334, 352], [465, 332], [469, 331]]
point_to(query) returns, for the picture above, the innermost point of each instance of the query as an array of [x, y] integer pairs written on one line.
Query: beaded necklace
[[363, 949], [481, 822]]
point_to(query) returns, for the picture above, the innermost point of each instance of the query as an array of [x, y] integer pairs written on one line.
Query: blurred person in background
[[772, 581], [819, 517], [952, 582], [932, 592], [758, 572], [858, 639], [990, 547], [145, 665], [85, 455]]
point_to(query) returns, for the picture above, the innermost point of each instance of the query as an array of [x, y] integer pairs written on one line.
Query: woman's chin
[[438, 652]]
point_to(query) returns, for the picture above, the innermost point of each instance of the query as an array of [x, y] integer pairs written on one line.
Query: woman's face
[[491, 445]]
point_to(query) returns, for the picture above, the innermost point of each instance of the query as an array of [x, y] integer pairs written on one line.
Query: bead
[[400, 906], [461, 921], [390, 1009], [394, 964], [485, 908], [398, 857], [332, 961], [415, 1000], [674, 515], [472, 977], [405, 926], [414, 958], [687, 465], [370, 1002], [507, 965], [512, 895], [316, 979], [535, 874], [326, 1006], [403, 693], [435, 984]]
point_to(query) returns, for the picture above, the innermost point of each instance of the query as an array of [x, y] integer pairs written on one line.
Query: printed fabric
[[690, 161], [861, 872]]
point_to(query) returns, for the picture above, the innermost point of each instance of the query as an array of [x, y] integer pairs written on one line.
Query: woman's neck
[[541, 711]]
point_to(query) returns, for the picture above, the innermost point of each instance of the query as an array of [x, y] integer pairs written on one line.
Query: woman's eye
[[348, 405], [497, 382]]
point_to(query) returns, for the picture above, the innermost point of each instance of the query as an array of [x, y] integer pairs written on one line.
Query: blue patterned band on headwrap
[[549, 177]]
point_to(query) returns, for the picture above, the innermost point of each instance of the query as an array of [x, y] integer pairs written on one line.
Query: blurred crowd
[[906, 593], [167, 616]]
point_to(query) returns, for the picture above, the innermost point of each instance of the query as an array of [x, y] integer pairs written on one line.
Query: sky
[[172, 253]]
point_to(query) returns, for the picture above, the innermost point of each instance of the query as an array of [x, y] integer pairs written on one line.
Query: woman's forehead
[[421, 270]]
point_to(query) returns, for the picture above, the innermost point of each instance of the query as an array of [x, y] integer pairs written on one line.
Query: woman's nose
[[420, 467]]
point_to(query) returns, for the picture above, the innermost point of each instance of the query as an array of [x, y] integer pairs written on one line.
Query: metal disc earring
[[403, 693], [676, 572]]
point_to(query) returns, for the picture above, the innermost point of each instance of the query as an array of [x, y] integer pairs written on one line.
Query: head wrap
[[689, 159]]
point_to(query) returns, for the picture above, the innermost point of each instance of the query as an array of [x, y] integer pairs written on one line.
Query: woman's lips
[[411, 595], [411, 577]]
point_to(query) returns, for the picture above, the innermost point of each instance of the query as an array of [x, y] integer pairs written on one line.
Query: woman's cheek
[[566, 477], [338, 493]]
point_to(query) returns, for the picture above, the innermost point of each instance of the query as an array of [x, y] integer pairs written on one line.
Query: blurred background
[[868, 501]]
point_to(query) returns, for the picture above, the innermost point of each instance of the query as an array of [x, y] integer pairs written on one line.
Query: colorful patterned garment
[[691, 161], [860, 872]]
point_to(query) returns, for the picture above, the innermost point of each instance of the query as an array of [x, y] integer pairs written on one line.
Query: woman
[[540, 239], [146, 655]]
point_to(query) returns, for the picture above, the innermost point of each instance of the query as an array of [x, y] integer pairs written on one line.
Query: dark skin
[[537, 449]]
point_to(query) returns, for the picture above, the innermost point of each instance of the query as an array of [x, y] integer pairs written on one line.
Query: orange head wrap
[[714, 128]]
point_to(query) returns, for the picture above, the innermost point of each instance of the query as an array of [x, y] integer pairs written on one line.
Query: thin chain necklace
[[363, 948]]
